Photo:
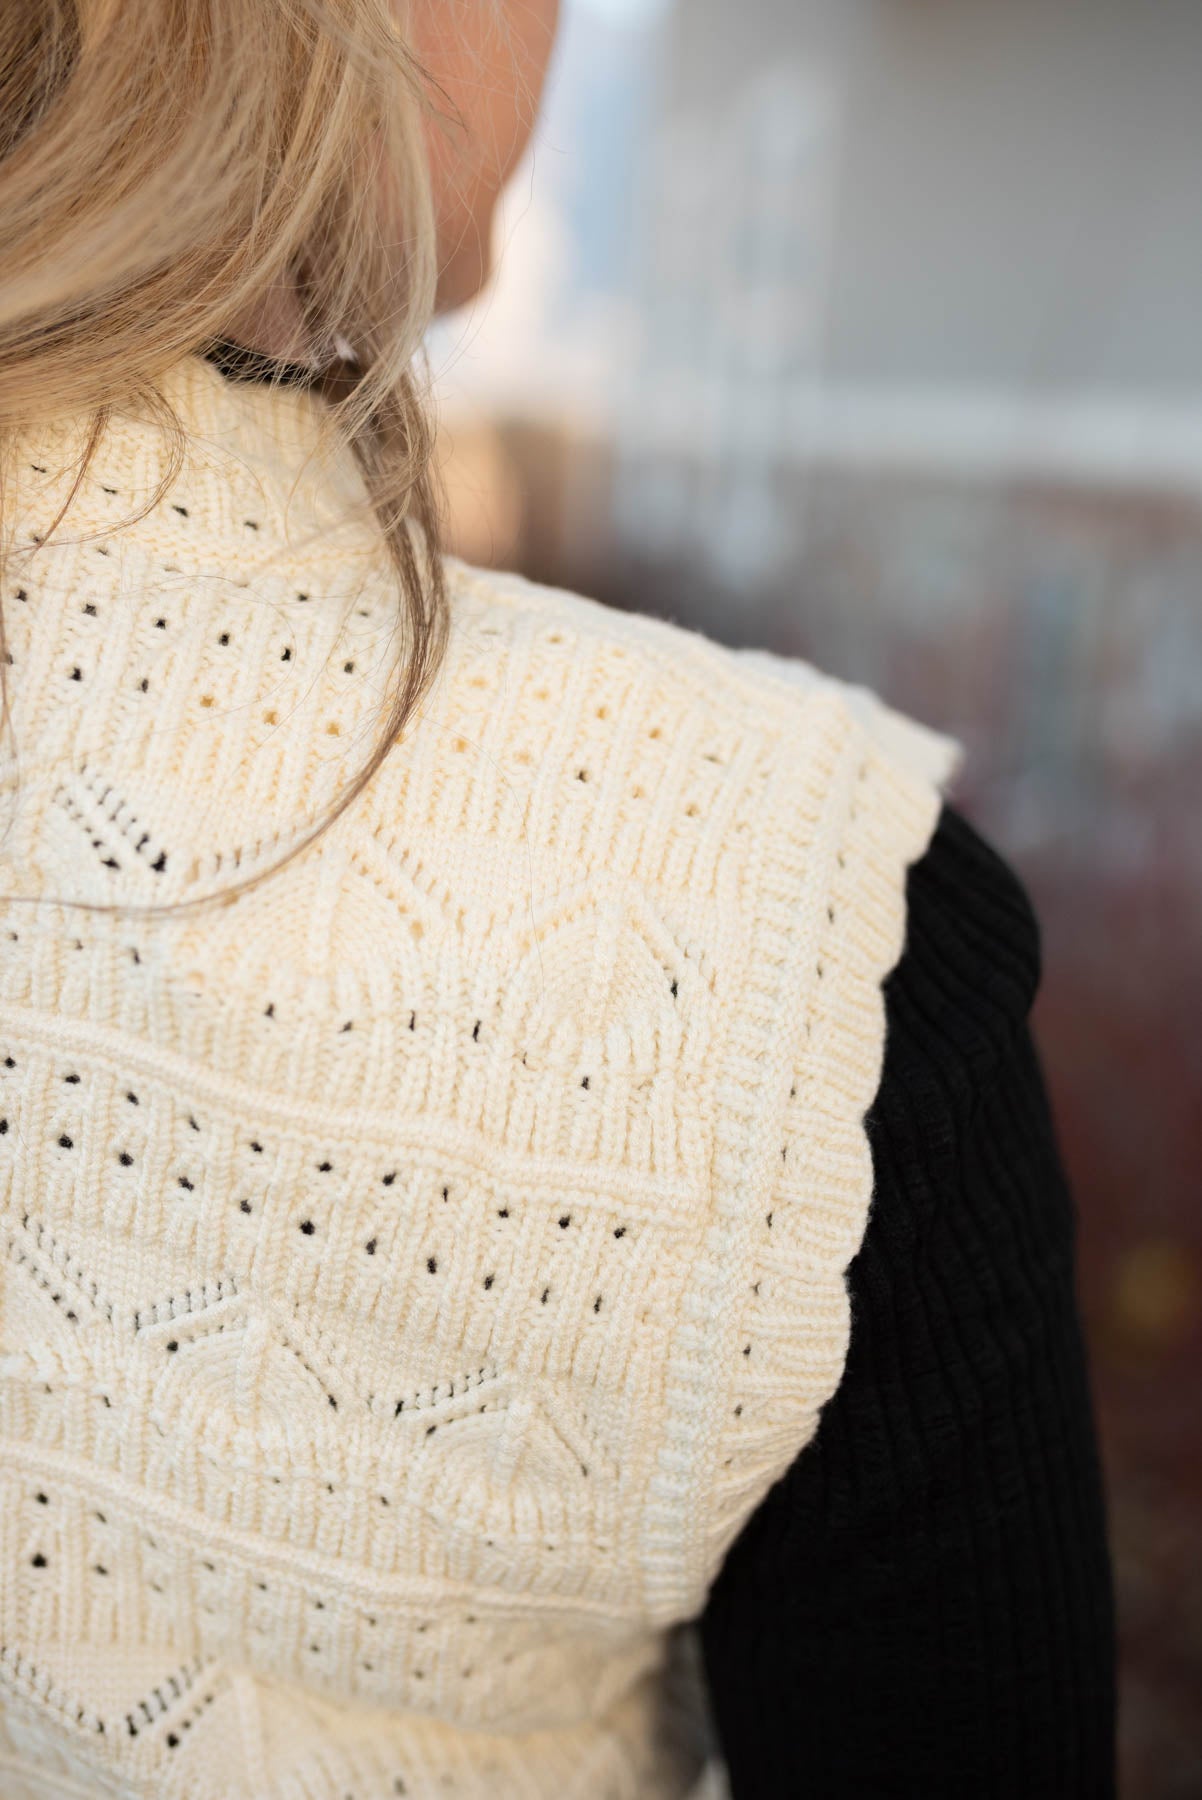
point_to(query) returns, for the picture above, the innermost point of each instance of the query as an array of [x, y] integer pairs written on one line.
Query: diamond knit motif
[[419, 1267]]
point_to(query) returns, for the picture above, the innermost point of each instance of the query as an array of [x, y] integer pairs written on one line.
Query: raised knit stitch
[[420, 1267]]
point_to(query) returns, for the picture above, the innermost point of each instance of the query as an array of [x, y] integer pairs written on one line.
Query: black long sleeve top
[[922, 1606]]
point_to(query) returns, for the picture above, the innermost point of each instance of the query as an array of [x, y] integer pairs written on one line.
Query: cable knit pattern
[[419, 1267]]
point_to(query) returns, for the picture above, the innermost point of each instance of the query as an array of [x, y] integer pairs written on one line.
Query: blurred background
[[870, 331]]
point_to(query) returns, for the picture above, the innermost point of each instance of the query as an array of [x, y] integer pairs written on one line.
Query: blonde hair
[[242, 145]]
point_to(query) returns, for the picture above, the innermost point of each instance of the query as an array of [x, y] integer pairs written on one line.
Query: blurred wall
[[1020, 189]]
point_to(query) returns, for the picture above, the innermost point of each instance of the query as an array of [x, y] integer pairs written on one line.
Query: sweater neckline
[[242, 364]]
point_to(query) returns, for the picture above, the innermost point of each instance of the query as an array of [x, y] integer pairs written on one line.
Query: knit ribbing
[[421, 1266]]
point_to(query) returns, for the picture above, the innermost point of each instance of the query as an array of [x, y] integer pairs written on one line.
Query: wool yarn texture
[[420, 1266]]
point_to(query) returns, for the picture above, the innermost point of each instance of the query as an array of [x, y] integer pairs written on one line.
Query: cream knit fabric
[[420, 1268]]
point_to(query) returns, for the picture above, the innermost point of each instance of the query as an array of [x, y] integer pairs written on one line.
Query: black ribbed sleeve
[[922, 1605]]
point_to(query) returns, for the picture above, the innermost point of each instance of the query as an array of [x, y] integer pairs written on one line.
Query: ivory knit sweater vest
[[421, 1266]]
